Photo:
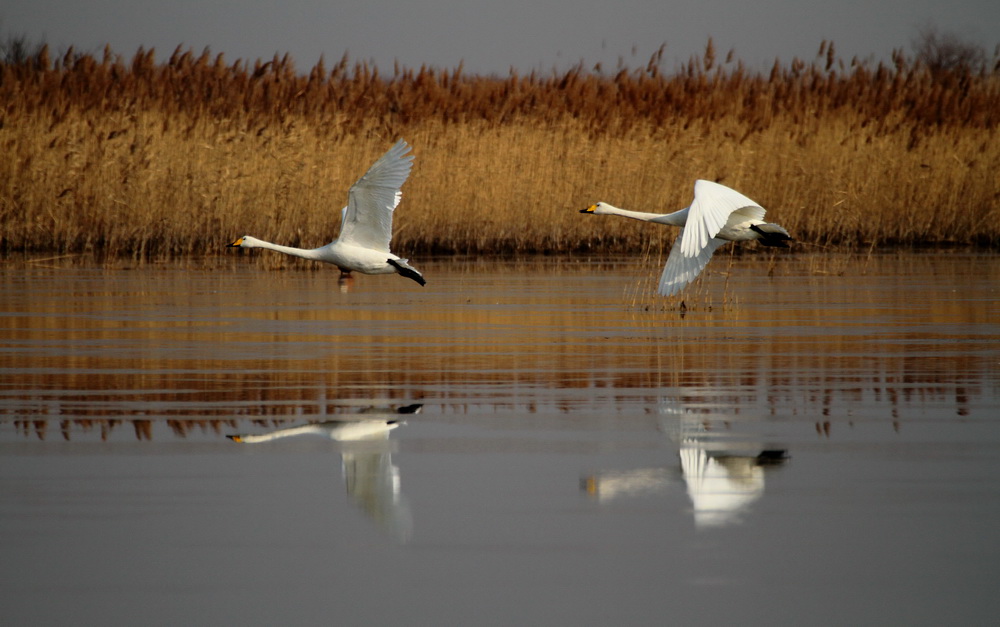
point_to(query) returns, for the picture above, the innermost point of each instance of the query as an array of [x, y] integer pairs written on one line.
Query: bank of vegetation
[[149, 156]]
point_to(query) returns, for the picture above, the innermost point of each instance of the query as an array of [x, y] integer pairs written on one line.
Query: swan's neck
[[677, 218], [288, 250]]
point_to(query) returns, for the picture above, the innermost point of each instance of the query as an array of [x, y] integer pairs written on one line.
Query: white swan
[[365, 225], [371, 479], [717, 215], [337, 430], [724, 472]]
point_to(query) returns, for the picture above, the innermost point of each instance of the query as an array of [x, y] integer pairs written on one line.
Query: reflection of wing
[[724, 477], [372, 482], [721, 488]]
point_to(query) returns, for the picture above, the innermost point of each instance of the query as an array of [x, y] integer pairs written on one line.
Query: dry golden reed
[[147, 158]]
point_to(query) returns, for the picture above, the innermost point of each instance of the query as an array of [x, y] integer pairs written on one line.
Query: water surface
[[813, 439]]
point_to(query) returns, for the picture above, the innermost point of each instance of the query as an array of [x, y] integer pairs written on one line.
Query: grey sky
[[494, 35]]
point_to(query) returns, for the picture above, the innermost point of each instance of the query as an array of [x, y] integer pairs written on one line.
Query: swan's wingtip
[[772, 457], [402, 148], [670, 287]]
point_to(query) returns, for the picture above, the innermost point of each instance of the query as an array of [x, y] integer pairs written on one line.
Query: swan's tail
[[404, 268], [771, 234]]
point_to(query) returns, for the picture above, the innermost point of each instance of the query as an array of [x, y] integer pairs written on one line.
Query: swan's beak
[[235, 438], [238, 242], [589, 209]]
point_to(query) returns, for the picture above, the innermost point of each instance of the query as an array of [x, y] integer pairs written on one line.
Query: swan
[[337, 430], [371, 479], [375, 422], [724, 473], [718, 214], [365, 223]]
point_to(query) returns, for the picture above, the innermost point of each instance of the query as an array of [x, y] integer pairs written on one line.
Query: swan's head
[[243, 242], [600, 208]]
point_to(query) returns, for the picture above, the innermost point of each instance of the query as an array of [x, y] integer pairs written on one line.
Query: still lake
[[814, 440]]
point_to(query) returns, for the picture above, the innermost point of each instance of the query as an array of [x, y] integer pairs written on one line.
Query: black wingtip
[[772, 457], [770, 237], [409, 273], [413, 275]]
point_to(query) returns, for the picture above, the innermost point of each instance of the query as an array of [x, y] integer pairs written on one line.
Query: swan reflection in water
[[724, 475], [370, 477]]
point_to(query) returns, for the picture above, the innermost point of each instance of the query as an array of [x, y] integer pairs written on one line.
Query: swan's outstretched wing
[[367, 219], [709, 212], [681, 269]]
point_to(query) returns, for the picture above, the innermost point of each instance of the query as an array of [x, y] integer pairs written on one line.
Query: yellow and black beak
[[589, 209], [238, 242], [235, 438]]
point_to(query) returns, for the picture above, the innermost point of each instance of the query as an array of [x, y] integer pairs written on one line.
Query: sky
[[493, 36]]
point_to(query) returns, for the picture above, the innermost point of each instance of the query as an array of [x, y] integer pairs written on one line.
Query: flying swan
[[717, 215], [365, 223]]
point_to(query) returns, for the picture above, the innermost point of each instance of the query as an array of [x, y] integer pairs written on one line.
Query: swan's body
[[716, 216], [366, 223]]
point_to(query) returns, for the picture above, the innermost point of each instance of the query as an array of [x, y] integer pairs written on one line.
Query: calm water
[[820, 446]]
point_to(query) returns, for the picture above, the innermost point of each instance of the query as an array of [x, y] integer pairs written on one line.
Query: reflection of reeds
[[141, 158], [642, 294], [513, 342], [77, 428]]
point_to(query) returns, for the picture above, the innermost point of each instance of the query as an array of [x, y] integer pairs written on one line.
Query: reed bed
[[143, 158]]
